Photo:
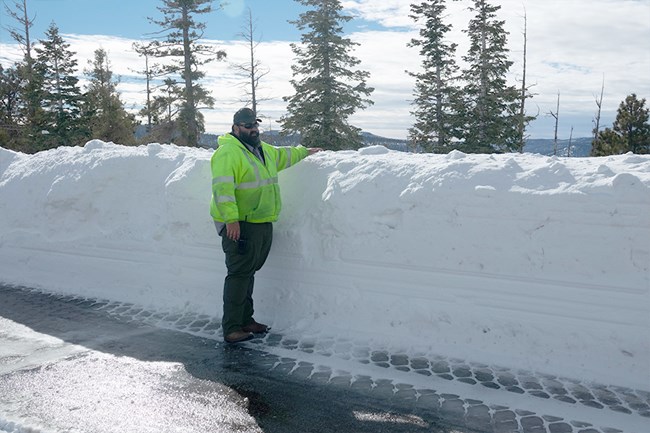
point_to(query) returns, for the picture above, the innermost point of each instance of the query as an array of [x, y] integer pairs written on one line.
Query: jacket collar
[[255, 150]]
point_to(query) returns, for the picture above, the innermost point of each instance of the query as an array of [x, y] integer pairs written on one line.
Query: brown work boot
[[237, 336], [256, 328]]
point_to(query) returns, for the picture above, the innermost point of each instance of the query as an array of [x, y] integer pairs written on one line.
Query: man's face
[[249, 133]]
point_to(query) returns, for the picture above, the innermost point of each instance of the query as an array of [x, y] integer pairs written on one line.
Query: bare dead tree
[[253, 70], [144, 50], [568, 149], [596, 131], [21, 34], [599, 104], [556, 115], [524, 91]]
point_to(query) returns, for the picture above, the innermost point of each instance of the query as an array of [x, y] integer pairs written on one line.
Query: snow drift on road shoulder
[[525, 261]]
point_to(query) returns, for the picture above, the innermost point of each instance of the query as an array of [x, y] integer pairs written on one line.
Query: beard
[[251, 138]]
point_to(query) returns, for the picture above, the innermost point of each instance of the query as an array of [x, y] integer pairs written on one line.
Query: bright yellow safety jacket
[[243, 187]]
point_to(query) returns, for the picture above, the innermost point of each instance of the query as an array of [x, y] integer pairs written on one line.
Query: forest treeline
[[471, 108]]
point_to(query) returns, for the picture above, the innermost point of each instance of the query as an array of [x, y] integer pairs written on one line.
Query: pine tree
[[62, 100], [10, 125], [32, 113], [632, 124], [491, 106], [608, 142], [436, 94], [165, 107], [187, 56], [107, 118], [327, 90], [630, 132], [29, 97]]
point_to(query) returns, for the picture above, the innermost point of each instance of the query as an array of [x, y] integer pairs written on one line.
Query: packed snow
[[517, 260]]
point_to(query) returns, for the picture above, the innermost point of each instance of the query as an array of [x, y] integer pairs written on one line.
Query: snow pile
[[522, 261]]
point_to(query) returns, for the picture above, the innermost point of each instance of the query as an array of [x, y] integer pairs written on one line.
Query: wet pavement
[[67, 366], [74, 364]]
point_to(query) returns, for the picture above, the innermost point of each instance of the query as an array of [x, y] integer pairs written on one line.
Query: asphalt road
[[66, 367], [96, 366]]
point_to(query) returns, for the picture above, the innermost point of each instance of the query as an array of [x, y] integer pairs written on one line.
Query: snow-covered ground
[[527, 262]]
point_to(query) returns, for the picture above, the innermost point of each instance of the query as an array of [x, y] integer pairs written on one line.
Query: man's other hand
[[232, 231]]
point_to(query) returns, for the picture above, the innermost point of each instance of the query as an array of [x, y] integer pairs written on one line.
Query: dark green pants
[[243, 259]]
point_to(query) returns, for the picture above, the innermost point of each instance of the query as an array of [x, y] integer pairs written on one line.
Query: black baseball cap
[[245, 115]]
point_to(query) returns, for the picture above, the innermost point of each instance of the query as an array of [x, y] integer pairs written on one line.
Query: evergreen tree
[[187, 56], [608, 142], [630, 132], [10, 124], [327, 90], [491, 106], [632, 124], [436, 94], [29, 97], [164, 110], [107, 118], [60, 124]]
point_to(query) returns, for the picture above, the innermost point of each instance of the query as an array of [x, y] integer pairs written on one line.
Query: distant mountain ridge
[[580, 147], [544, 146]]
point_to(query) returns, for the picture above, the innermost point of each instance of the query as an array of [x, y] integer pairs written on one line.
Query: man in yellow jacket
[[245, 203]]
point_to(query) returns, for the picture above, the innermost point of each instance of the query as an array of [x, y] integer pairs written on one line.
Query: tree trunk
[[190, 109], [522, 107]]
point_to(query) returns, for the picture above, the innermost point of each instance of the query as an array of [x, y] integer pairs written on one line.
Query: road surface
[[82, 365]]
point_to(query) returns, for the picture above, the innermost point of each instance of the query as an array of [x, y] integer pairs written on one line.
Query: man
[[245, 203]]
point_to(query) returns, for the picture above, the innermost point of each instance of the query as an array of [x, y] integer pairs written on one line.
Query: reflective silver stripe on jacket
[[287, 150], [223, 179], [224, 198], [259, 182]]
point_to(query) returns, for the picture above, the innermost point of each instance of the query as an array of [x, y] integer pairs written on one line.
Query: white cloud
[[389, 13], [233, 8]]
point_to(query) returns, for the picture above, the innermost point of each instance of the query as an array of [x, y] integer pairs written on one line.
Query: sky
[[574, 48], [516, 263]]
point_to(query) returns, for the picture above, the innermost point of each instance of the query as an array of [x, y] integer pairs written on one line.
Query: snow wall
[[523, 261]]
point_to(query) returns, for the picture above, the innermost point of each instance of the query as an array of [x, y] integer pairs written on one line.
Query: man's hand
[[232, 231], [313, 150]]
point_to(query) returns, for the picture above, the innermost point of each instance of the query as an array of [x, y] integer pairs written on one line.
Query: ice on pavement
[[518, 260]]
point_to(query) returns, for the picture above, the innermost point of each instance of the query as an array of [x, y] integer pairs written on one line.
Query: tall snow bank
[[523, 261]]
